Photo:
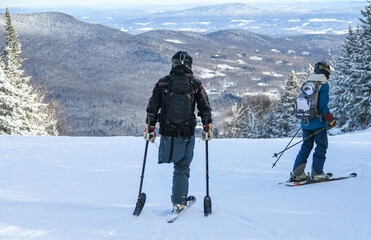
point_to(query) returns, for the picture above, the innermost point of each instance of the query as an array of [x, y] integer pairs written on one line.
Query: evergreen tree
[[280, 120], [27, 114], [352, 83], [8, 104], [247, 118], [361, 108], [343, 79]]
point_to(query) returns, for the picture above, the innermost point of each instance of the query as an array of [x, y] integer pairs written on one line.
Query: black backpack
[[178, 102]]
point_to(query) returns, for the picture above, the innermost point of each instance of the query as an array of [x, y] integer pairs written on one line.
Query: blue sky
[[28, 3]]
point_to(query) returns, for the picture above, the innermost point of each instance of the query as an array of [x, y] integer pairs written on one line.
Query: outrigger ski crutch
[[287, 147], [141, 195], [207, 199]]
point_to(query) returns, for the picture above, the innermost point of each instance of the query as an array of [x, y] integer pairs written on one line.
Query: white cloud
[[145, 29], [192, 30], [168, 23], [327, 20], [345, 31], [143, 24], [294, 20]]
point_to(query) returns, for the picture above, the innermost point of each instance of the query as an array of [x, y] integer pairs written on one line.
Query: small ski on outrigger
[[174, 215], [311, 181]]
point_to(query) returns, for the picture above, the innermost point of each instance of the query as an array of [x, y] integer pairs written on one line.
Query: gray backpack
[[306, 104]]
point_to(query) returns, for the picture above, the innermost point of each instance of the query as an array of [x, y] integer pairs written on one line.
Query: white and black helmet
[[182, 58]]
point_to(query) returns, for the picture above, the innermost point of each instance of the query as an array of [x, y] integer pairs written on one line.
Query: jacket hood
[[318, 78]]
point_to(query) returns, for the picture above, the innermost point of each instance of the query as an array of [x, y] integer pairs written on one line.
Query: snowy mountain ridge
[[99, 73], [272, 18]]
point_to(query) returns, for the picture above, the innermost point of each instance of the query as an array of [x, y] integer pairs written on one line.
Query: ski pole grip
[[150, 116], [207, 123], [206, 128]]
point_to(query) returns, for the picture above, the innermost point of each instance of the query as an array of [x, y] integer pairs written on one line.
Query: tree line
[[24, 109], [261, 117]]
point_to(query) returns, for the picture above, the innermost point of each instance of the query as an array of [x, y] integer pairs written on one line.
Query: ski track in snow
[[86, 188]]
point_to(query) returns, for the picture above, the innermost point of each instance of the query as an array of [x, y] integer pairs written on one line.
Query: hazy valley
[[103, 77]]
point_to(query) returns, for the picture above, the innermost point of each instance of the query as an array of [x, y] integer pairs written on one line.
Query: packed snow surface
[[86, 188]]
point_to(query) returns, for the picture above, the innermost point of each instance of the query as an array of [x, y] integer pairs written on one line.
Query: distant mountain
[[271, 18], [104, 77], [219, 10], [95, 71]]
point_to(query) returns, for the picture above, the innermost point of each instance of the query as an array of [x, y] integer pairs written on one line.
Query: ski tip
[[136, 212], [329, 174], [191, 198], [140, 204], [353, 174], [207, 206]]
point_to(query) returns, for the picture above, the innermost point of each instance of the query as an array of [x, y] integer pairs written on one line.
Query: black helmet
[[322, 68], [181, 58]]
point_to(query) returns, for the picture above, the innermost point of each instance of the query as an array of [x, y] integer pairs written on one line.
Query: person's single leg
[[181, 174], [319, 156], [302, 157]]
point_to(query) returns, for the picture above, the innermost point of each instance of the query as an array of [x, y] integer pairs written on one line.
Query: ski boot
[[299, 178], [317, 177], [177, 208]]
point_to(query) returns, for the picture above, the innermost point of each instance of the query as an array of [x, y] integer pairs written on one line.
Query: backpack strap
[[315, 98], [164, 82]]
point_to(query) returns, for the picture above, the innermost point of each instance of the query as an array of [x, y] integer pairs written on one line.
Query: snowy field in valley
[[85, 188]]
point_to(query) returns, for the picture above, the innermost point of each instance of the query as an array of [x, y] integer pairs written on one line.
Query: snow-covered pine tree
[[352, 84], [247, 117], [343, 78], [8, 104], [30, 115], [360, 112], [280, 120]]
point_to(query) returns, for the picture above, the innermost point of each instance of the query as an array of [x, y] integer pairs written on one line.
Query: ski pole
[[142, 196], [276, 154], [207, 199], [304, 139]]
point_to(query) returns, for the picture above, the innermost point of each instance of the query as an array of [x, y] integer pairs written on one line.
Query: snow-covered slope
[[86, 188]]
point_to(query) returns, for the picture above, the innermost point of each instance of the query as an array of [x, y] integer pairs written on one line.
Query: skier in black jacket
[[175, 96]]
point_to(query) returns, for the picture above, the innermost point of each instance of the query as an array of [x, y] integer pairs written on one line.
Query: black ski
[[173, 216], [311, 181]]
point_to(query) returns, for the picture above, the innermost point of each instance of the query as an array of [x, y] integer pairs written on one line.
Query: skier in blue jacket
[[317, 125]]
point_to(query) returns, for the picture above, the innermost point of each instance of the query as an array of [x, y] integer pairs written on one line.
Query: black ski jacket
[[156, 103]]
